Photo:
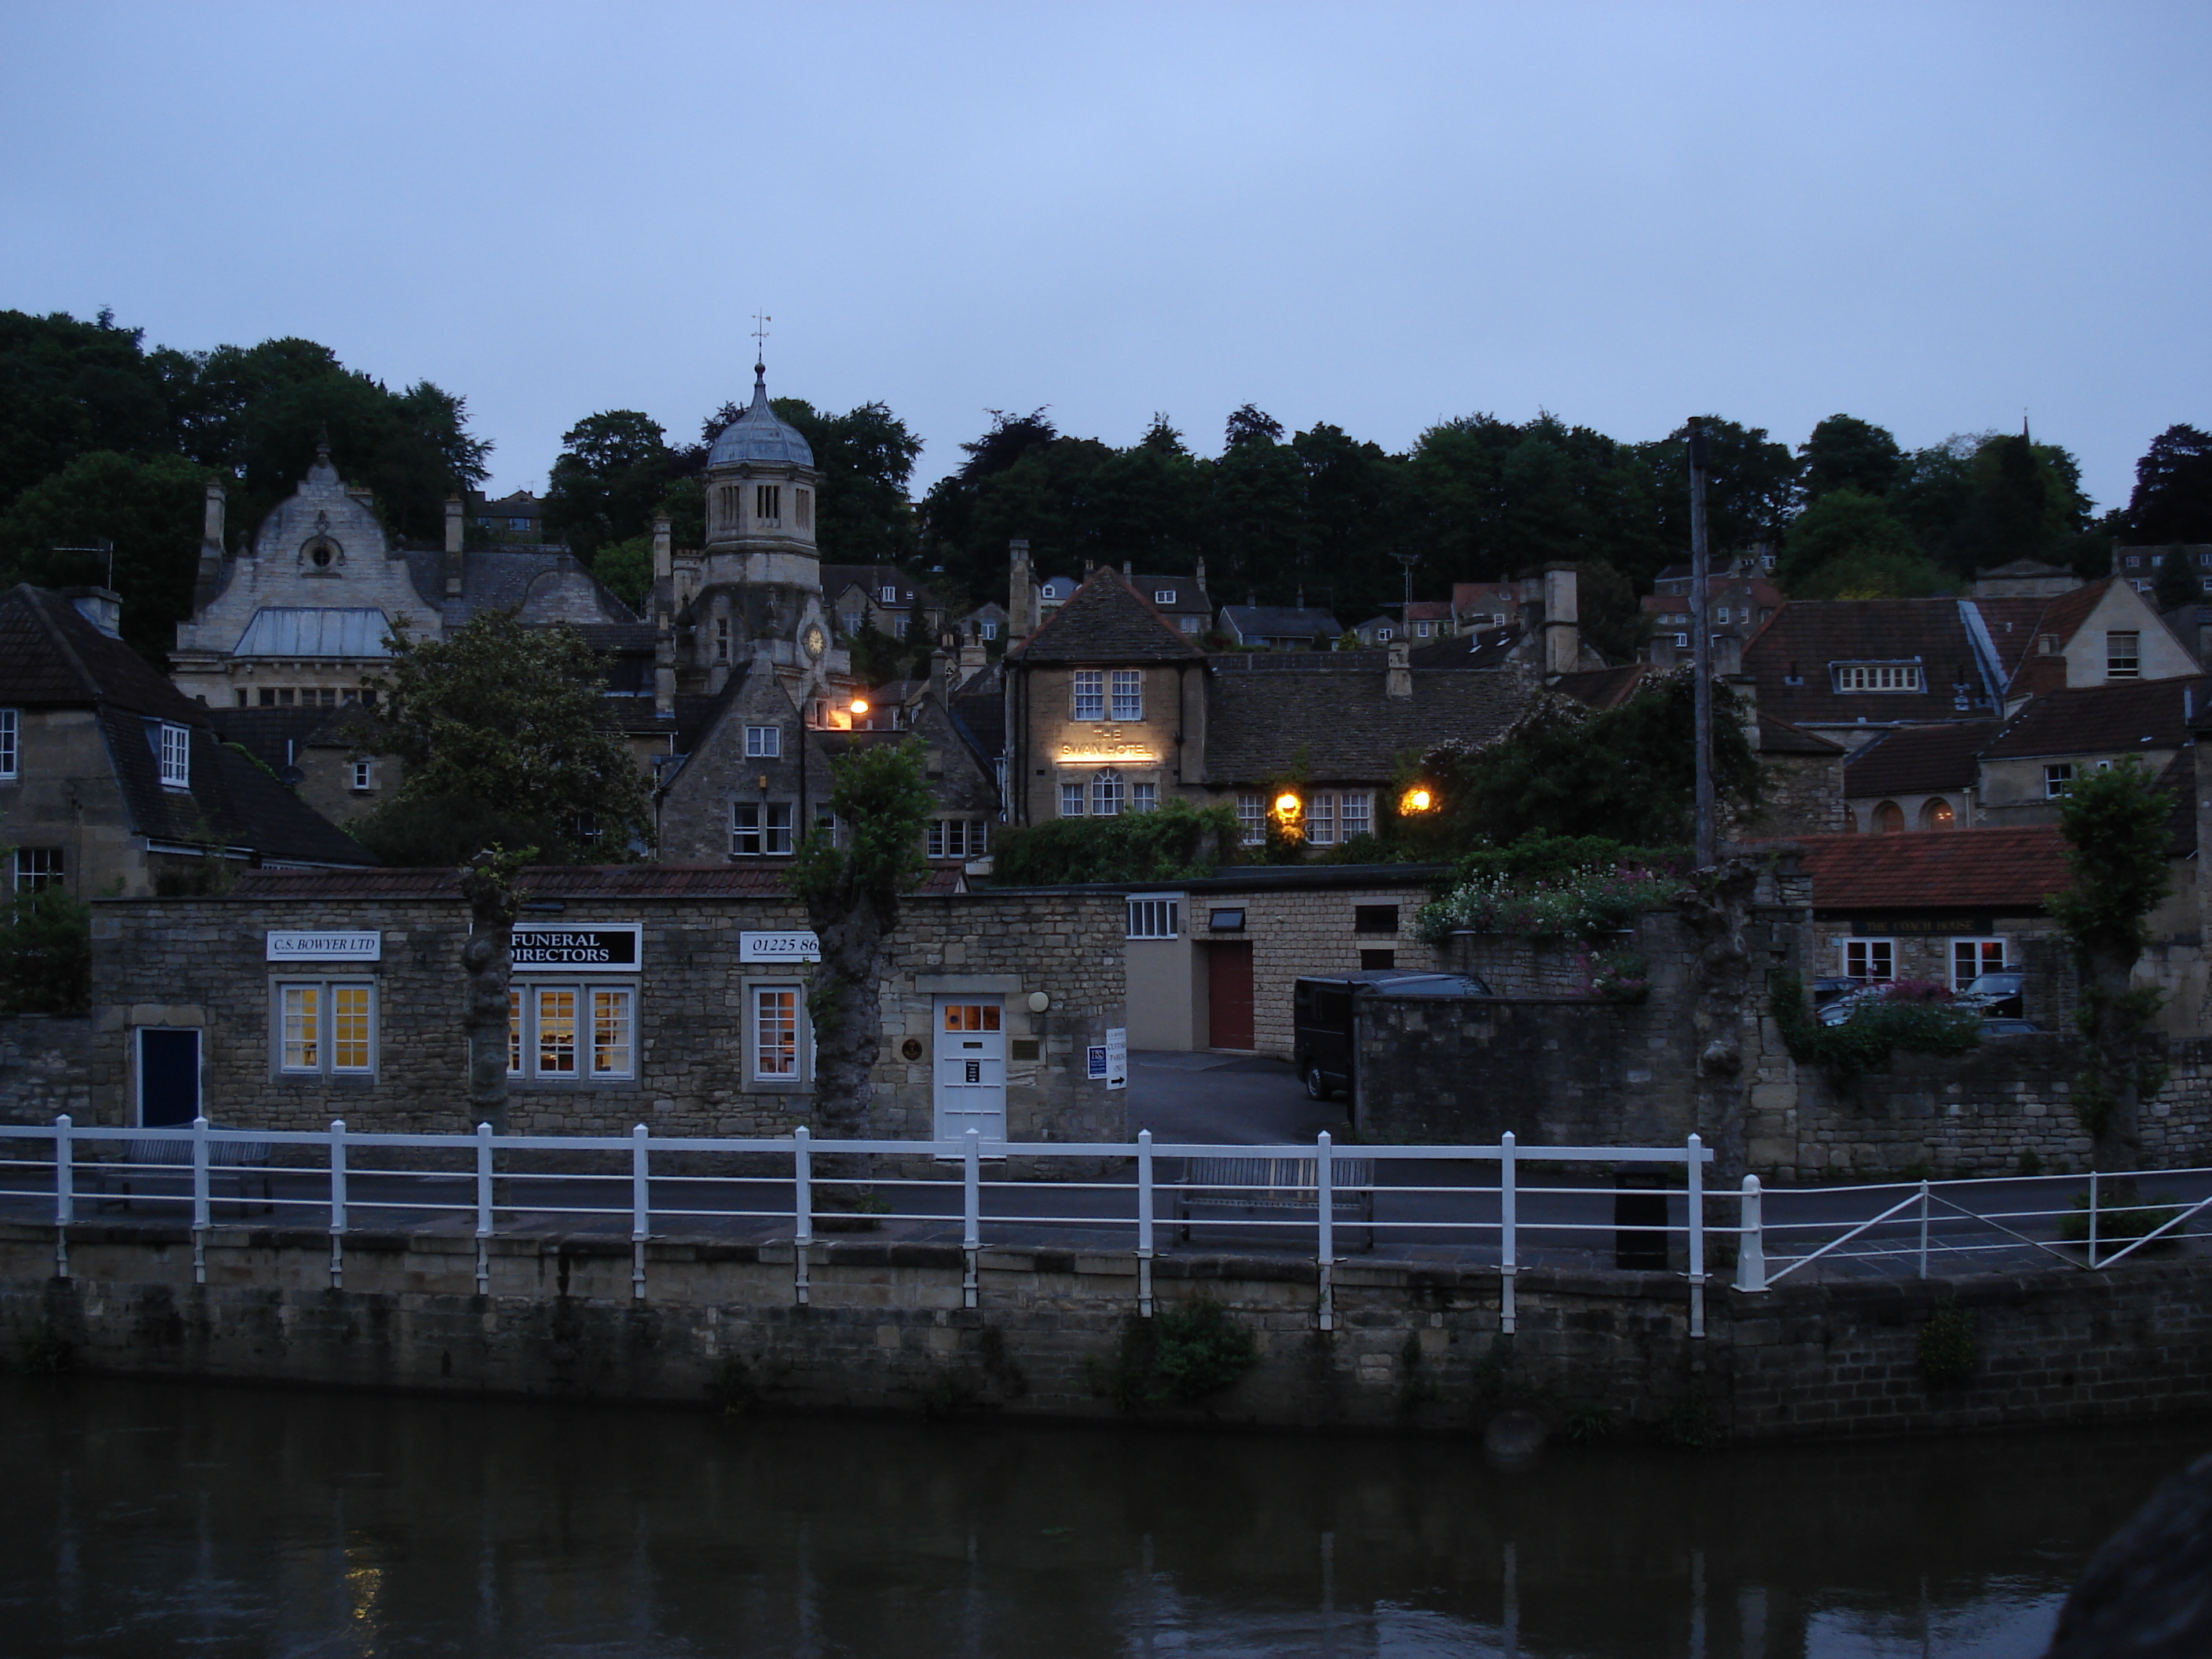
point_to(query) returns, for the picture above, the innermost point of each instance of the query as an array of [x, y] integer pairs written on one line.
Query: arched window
[[1889, 818], [1937, 815], [1106, 792]]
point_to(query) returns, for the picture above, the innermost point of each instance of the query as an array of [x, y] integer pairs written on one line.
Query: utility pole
[[1701, 654]]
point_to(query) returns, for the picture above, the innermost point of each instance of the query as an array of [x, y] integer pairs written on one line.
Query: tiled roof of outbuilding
[[1343, 727], [2102, 720], [1780, 737], [2009, 869], [1916, 758], [1106, 620]]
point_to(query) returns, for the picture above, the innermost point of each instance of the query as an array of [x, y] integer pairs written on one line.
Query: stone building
[[674, 997], [111, 779]]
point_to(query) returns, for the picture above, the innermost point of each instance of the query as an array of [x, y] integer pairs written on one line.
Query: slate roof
[[1342, 726], [1936, 869], [2103, 719], [265, 733], [1605, 688], [232, 802], [1186, 594], [51, 656], [2062, 615], [1106, 621], [1915, 759], [1280, 621], [873, 579], [1376, 658], [1806, 635], [1780, 737], [1487, 648], [578, 881], [501, 578]]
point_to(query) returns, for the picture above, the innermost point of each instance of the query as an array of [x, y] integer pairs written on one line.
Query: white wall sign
[[325, 947], [558, 947], [798, 945], [1117, 1057]]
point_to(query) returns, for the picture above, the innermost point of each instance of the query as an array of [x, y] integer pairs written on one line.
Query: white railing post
[[1325, 1225], [802, 1184], [64, 1193], [2093, 1218], [199, 1200], [971, 1210], [640, 1208], [1144, 1224], [1923, 1229], [484, 1217], [1751, 1241], [1506, 1241], [1697, 1183], [337, 1203]]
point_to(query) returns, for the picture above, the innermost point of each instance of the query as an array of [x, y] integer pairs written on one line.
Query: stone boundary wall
[[49, 1064], [1417, 1348]]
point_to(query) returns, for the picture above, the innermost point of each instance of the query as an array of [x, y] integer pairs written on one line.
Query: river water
[[148, 1519]]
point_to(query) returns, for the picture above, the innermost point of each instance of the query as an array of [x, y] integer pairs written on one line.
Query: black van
[[1321, 1017]]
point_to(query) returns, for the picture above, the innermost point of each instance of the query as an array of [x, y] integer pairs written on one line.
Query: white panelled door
[[971, 1067]]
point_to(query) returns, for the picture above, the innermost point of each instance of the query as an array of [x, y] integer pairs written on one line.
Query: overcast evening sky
[[1931, 216]]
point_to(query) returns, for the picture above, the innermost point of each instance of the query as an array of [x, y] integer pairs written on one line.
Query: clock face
[[813, 640]]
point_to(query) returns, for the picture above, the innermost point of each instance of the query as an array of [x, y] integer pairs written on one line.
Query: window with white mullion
[[1089, 693], [1128, 694], [11, 740]]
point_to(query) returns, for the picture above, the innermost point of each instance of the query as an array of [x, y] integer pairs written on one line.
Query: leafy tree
[[2178, 581], [1625, 773], [865, 457], [626, 567], [1751, 485], [2173, 497], [882, 799], [2115, 826], [69, 388], [1849, 545], [1178, 842], [504, 740], [613, 472], [490, 883], [45, 953], [149, 507], [1610, 616], [1845, 452]]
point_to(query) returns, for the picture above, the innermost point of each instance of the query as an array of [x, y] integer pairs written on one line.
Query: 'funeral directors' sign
[[794, 945], [563, 947], [324, 947]]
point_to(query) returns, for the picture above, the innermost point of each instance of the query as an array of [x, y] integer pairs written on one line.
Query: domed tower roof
[[759, 434]]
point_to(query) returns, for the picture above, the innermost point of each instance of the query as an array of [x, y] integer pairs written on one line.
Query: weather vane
[[761, 320]]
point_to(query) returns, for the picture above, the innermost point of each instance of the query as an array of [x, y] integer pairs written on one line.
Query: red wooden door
[[1228, 994]]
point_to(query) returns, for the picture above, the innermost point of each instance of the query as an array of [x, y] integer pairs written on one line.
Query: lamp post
[[1701, 654]]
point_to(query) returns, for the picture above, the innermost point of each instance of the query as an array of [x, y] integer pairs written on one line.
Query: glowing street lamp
[[1416, 799]]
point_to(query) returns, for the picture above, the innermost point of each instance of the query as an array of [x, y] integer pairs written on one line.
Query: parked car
[[1847, 1003], [1826, 990], [1994, 996], [2006, 1026], [1322, 1009]]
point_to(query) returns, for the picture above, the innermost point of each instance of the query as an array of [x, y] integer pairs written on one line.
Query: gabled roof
[[1916, 759], [1479, 649], [1604, 688], [2127, 718], [1343, 727], [2062, 615], [232, 803], [1780, 737], [1803, 638], [873, 579], [51, 656], [1936, 869], [1272, 621], [1106, 620], [1185, 594]]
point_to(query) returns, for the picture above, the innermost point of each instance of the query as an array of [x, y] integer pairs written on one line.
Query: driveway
[[1224, 1099]]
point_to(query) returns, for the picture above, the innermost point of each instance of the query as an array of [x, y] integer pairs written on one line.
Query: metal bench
[[1277, 1188], [239, 1159]]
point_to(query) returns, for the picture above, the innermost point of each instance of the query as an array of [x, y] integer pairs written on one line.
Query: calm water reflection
[[150, 1518]]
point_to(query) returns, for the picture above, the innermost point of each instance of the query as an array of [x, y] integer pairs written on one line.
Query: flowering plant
[[1586, 903], [1619, 974]]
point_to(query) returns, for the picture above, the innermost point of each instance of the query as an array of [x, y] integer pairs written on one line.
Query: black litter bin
[[1639, 1223]]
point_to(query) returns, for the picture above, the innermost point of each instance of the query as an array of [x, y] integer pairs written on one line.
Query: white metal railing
[[485, 1178], [1994, 1215]]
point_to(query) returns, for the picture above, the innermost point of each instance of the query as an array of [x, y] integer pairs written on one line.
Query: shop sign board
[[562, 947], [333, 946]]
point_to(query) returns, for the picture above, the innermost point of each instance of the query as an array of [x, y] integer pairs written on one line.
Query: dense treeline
[[103, 439]]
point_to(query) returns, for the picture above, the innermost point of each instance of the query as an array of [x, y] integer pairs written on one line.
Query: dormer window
[[176, 757], [1877, 676], [1163, 595], [887, 595]]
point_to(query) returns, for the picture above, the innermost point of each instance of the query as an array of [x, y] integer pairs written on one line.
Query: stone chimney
[[1398, 679], [1562, 634], [101, 606], [456, 540], [211, 549], [1021, 591], [664, 571], [1127, 571]]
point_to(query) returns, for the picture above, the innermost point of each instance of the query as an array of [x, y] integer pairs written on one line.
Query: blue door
[[168, 1076]]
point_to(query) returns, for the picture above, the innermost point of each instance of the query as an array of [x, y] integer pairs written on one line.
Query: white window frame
[[1128, 694], [2123, 654], [988, 631], [1088, 695], [1881, 676], [887, 596], [2058, 779], [957, 838], [176, 755], [11, 742], [1978, 946], [1144, 797], [1071, 800], [364, 774], [1681, 641], [800, 1072], [320, 1032], [1110, 793], [1252, 816], [33, 867], [1154, 916], [1163, 595], [1861, 957], [1320, 818], [767, 823], [763, 743], [526, 1004], [1355, 813], [1422, 628]]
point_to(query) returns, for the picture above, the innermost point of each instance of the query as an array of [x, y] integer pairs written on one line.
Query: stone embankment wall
[[1415, 1348], [49, 1064]]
